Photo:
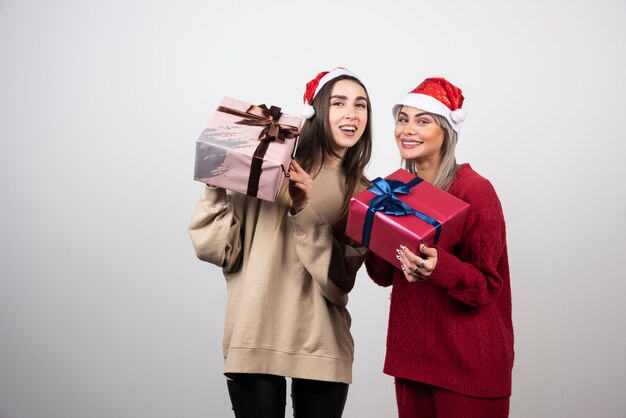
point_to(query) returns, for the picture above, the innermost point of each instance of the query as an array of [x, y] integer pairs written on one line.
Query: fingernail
[[397, 251], [403, 247], [398, 257]]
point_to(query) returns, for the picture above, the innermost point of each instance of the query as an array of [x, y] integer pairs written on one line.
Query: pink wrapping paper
[[389, 231], [225, 149]]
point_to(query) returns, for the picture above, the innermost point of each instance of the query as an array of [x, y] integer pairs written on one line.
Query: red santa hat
[[315, 85], [438, 96]]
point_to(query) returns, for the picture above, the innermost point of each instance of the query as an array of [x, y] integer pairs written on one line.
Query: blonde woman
[[450, 336]]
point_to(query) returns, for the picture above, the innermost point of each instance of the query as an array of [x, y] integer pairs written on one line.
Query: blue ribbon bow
[[386, 200]]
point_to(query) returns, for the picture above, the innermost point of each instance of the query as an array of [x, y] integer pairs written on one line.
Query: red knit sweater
[[454, 330]]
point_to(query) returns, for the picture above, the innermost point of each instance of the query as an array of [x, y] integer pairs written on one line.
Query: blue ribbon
[[386, 200]]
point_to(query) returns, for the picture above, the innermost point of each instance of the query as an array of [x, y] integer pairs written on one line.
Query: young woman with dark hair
[[288, 266]]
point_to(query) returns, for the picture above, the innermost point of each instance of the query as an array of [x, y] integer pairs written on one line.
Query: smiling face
[[347, 114], [418, 136]]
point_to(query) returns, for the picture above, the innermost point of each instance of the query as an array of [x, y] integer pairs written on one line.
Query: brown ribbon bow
[[272, 131], [262, 116]]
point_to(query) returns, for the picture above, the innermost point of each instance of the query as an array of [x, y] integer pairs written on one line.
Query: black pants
[[264, 396]]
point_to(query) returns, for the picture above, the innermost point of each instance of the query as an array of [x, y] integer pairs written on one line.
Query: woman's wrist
[[296, 209]]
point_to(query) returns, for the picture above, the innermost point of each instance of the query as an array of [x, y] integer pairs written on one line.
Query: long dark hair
[[316, 141]]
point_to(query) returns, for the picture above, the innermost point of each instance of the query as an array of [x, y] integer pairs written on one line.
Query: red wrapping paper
[[389, 231]]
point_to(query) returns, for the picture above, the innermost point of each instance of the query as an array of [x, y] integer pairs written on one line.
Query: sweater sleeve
[[379, 269], [215, 229], [469, 274], [331, 263]]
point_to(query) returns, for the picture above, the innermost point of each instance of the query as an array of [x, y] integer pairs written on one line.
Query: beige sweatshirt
[[287, 278]]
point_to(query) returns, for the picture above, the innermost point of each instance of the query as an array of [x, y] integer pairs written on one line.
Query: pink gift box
[[246, 148], [386, 232]]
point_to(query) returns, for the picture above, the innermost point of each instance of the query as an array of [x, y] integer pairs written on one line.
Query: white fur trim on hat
[[428, 104], [333, 74]]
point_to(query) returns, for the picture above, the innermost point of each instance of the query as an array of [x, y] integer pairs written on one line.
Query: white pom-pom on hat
[[307, 111], [458, 115]]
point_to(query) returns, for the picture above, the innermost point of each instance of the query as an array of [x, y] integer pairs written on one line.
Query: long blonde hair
[[448, 166]]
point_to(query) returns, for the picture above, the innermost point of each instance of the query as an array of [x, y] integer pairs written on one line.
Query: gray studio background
[[106, 312]]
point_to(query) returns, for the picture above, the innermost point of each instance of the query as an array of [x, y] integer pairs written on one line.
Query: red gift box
[[421, 213], [247, 148]]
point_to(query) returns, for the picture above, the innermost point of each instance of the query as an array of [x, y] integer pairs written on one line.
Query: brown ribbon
[[272, 131], [262, 116]]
